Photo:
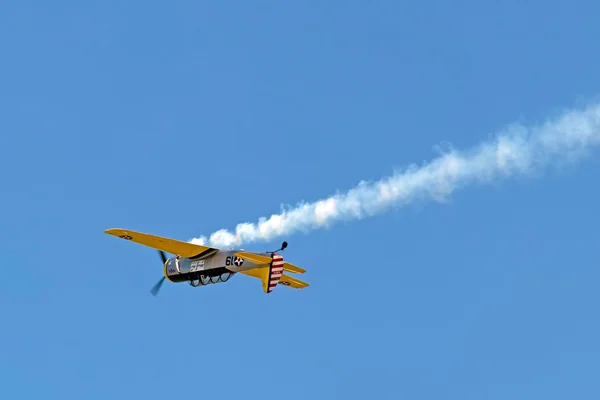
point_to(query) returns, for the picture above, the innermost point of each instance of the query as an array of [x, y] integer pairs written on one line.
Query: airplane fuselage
[[213, 268]]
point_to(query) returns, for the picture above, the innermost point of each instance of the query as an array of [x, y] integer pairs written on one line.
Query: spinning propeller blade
[[162, 256], [156, 288]]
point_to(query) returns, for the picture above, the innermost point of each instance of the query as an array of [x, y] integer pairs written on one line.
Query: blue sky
[[180, 119]]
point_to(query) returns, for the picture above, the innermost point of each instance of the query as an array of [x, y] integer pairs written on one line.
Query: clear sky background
[[181, 118]]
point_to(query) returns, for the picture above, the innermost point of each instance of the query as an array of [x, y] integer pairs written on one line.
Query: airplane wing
[[265, 260], [255, 258], [183, 249]]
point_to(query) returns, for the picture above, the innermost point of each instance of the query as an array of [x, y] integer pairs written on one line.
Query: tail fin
[[275, 272]]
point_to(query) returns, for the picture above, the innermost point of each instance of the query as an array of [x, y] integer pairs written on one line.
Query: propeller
[[155, 289]]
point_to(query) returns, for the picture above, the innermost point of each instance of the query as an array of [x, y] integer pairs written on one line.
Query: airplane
[[202, 265]]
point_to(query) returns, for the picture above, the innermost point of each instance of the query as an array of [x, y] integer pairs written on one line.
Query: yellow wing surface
[[292, 268], [255, 258], [289, 281], [167, 245], [265, 260], [285, 280]]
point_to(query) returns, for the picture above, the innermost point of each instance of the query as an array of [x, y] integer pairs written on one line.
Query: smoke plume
[[516, 150]]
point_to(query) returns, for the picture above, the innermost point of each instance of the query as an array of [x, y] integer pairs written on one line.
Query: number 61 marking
[[230, 260]]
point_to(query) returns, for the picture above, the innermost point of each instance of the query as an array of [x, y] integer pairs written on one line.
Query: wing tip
[[115, 231]]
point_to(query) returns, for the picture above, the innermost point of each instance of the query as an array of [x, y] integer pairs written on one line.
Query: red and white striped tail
[[275, 272]]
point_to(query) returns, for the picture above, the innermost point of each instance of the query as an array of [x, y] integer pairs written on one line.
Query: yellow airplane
[[202, 265]]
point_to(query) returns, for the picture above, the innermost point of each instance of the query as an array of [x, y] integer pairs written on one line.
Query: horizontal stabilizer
[[293, 268], [294, 283], [270, 274]]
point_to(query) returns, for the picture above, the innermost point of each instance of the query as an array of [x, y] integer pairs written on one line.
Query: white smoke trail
[[516, 150]]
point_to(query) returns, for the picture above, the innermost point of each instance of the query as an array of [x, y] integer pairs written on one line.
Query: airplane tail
[[271, 271]]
